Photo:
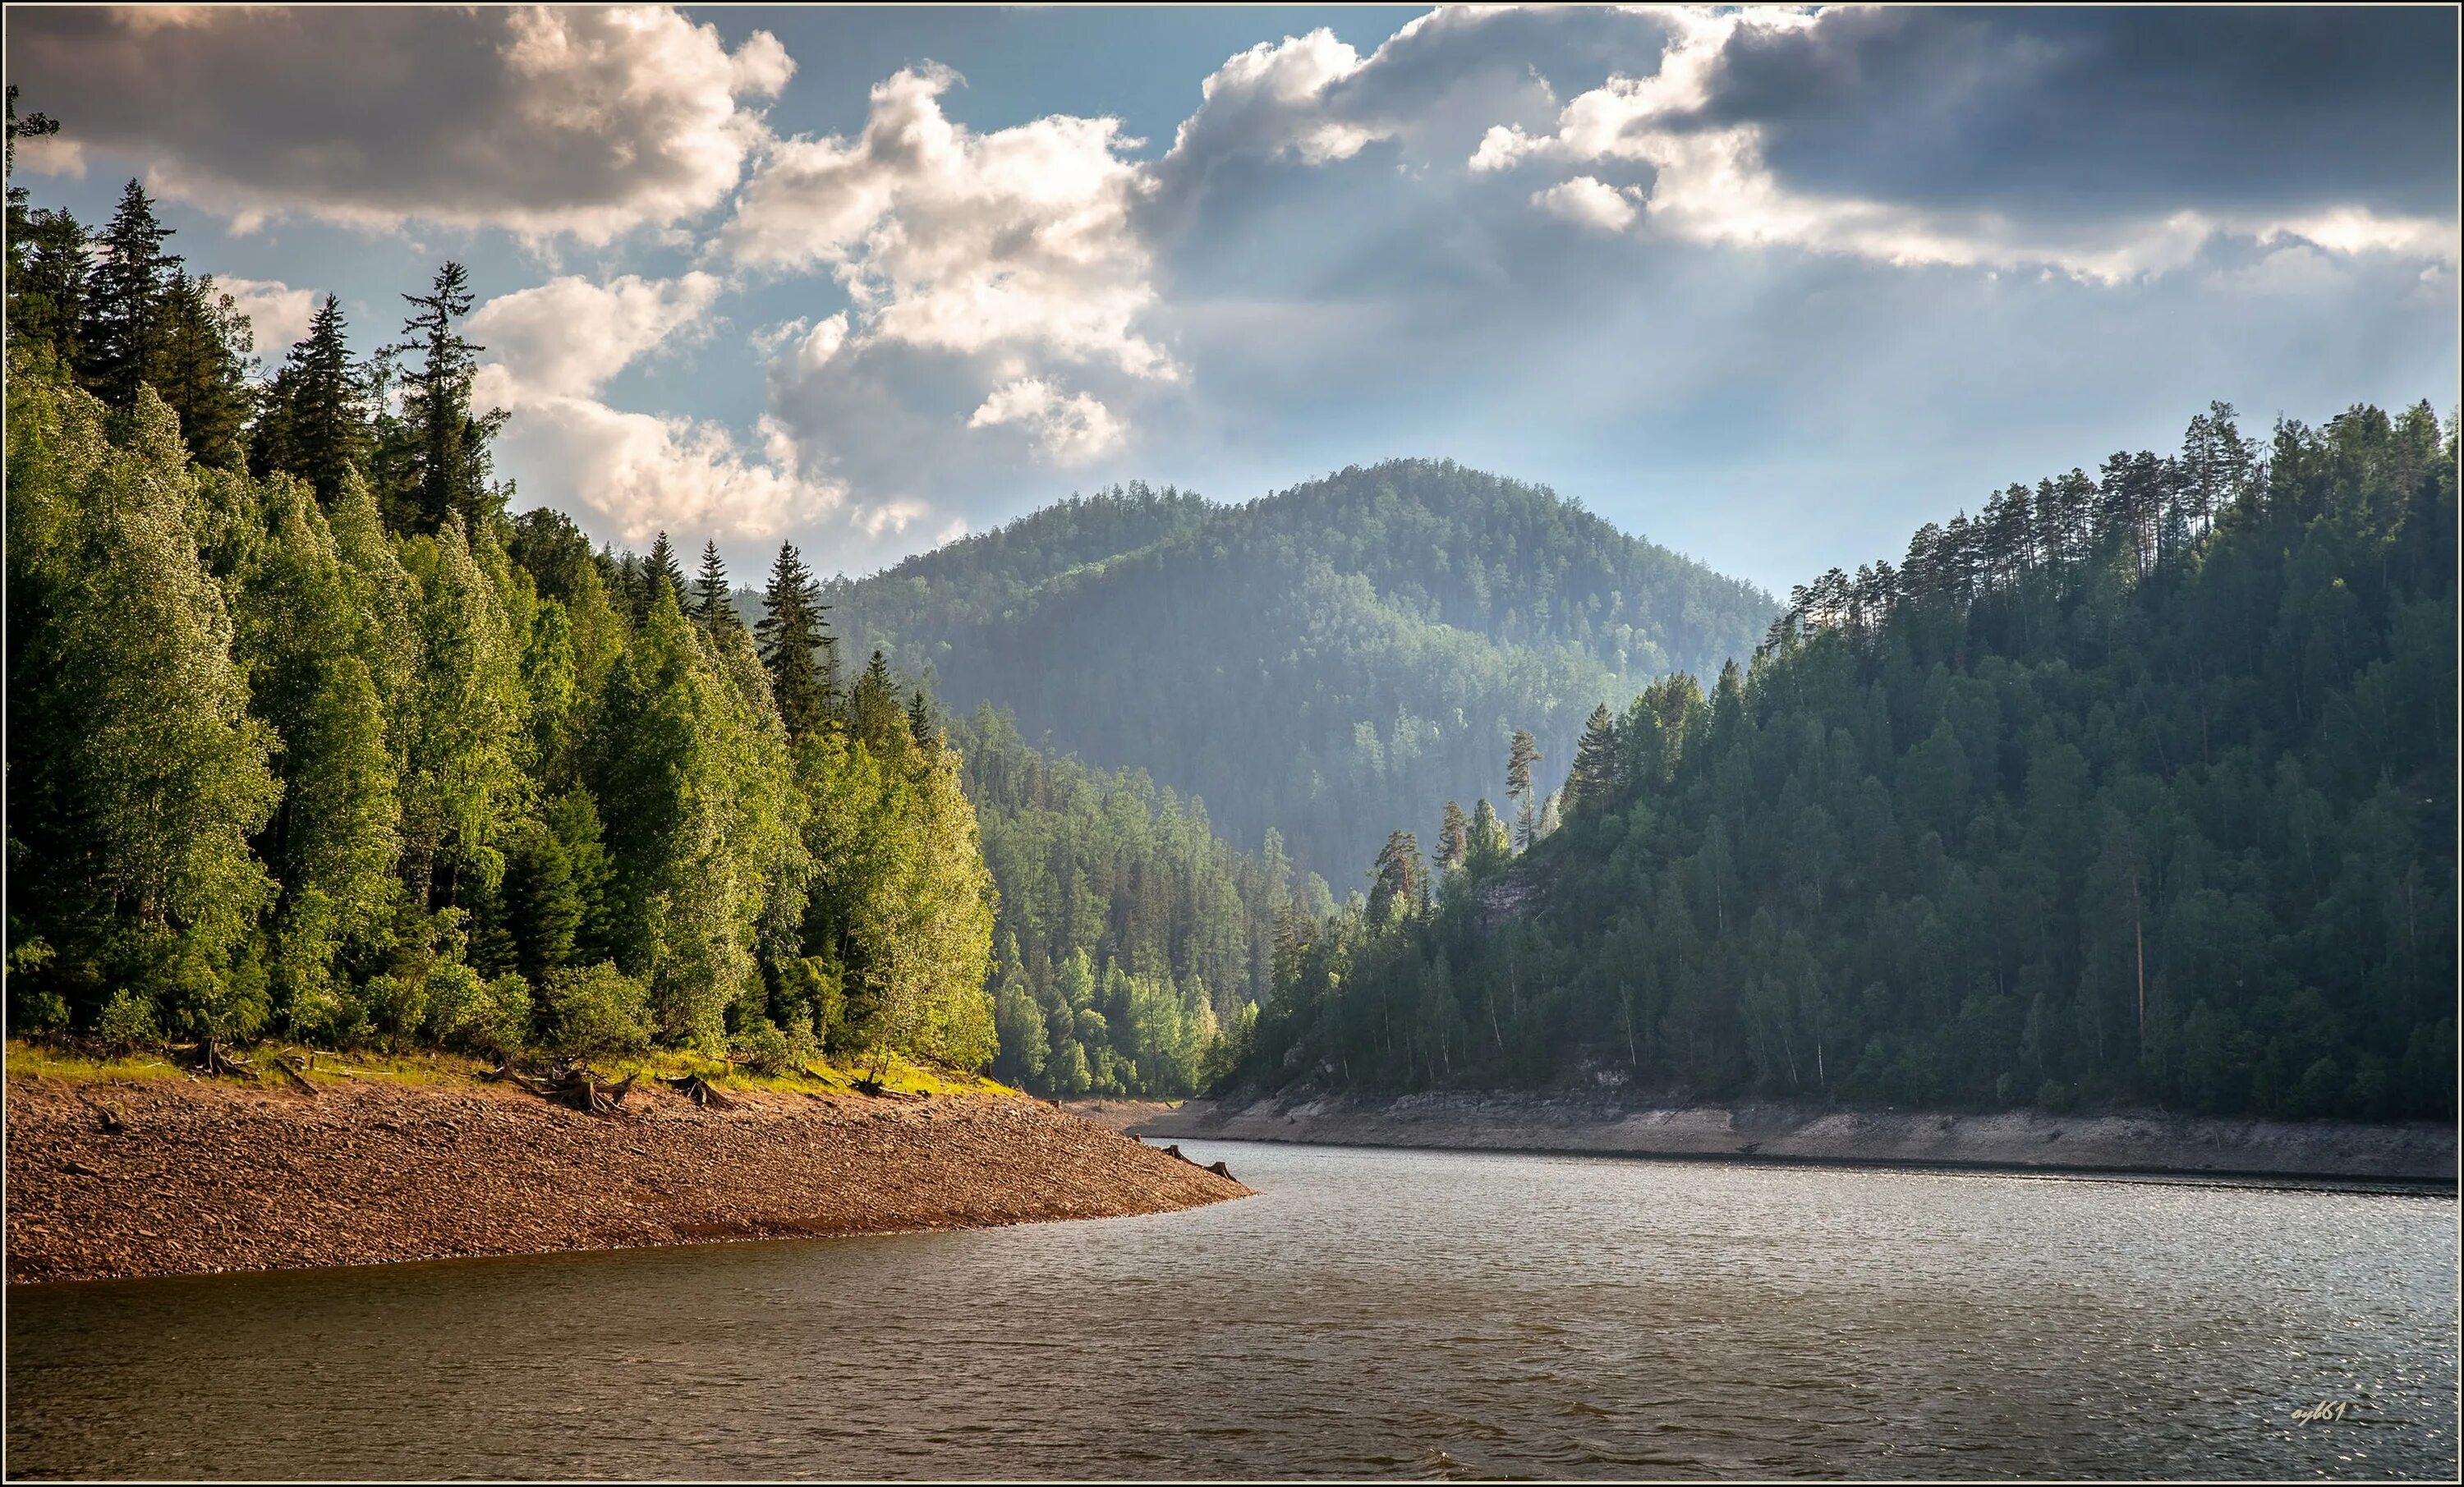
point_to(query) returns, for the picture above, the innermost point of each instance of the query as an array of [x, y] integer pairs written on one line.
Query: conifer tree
[[873, 714], [124, 328], [1454, 838], [1522, 752], [661, 569], [712, 608], [1395, 881], [202, 368], [791, 638], [1592, 779], [438, 458], [315, 423], [47, 255], [1488, 842]]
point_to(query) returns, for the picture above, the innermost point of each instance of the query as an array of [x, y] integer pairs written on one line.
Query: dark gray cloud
[[2101, 112], [584, 121]]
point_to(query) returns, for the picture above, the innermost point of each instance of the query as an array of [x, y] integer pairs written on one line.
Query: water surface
[[1370, 1313]]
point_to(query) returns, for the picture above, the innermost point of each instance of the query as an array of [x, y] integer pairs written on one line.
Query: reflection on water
[[1369, 1313]]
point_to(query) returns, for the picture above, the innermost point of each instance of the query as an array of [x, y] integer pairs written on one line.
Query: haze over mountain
[[1327, 661]]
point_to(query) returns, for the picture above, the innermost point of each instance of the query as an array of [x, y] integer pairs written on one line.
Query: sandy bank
[[210, 1175], [2129, 1141]]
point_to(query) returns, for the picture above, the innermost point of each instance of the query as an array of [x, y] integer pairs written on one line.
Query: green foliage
[[1102, 876], [306, 734], [594, 1012], [2139, 787]]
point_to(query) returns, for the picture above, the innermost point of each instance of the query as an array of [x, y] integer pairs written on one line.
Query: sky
[[1771, 287]]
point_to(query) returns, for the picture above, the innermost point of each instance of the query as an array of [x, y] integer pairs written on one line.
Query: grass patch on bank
[[438, 1069]]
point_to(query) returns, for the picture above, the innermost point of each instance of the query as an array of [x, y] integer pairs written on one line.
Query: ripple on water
[[1380, 1313]]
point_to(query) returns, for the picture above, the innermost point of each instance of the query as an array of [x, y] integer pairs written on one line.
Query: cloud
[[1013, 241], [2121, 113], [585, 121], [569, 337], [551, 350], [642, 473], [1073, 429], [278, 313], [1590, 202], [1272, 99], [1713, 182]]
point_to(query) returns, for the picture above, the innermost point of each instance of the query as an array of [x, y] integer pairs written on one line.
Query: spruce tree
[[1592, 779], [48, 287], [123, 329], [873, 712], [316, 424], [790, 635], [711, 606], [661, 568], [202, 368]]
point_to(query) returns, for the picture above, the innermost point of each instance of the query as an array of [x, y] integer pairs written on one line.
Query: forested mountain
[[2134, 786], [307, 735], [1323, 661]]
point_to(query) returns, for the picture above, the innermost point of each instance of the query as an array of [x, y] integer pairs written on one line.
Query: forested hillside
[[2136, 786], [1134, 944], [308, 736], [1323, 661]]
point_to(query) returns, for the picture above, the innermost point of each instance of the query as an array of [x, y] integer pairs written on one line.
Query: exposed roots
[[700, 1091], [574, 1084], [215, 1059]]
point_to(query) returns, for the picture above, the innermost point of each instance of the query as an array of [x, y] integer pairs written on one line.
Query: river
[[1369, 1313]]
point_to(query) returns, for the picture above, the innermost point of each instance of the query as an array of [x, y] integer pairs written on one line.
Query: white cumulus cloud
[[1072, 429], [1017, 240]]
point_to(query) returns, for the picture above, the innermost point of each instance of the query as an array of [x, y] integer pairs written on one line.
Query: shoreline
[[203, 1177], [2143, 1145]]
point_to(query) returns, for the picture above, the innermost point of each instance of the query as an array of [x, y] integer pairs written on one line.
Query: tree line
[[2136, 786], [309, 735]]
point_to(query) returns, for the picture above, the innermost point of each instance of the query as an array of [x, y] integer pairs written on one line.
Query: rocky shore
[[2136, 1142], [165, 1176]]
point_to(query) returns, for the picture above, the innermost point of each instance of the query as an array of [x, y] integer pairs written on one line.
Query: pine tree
[[791, 638], [873, 712], [49, 289], [919, 719], [662, 571], [1396, 883], [316, 424], [1593, 781], [438, 460], [1454, 838], [1488, 843], [202, 370], [1522, 752], [124, 331], [712, 606]]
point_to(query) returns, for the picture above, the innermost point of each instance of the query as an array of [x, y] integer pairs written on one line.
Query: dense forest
[[2138, 786], [1134, 944], [309, 736], [1322, 662]]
